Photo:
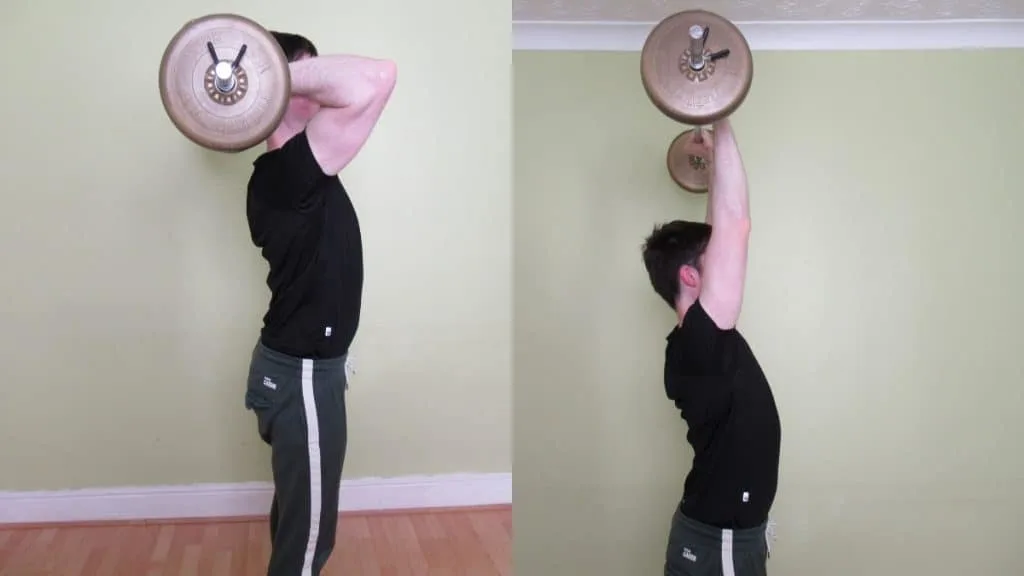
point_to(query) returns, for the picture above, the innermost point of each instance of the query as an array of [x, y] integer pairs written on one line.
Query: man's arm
[[708, 144], [725, 260], [352, 92]]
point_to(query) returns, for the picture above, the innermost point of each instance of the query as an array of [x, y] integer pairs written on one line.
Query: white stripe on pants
[[727, 566], [315, 475]]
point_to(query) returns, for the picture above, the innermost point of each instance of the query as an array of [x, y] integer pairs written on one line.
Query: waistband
[[712, 536], [282, 359]]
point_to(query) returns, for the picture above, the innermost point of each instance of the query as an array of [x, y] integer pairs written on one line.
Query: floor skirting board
[[247, 499]]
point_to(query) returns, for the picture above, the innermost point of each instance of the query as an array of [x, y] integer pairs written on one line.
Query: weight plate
[[242, 110]]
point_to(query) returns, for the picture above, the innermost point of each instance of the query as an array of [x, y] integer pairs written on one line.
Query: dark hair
[[670, 247], [294, 45]]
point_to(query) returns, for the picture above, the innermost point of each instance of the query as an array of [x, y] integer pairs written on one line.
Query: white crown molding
[[247, 499], [833, 35]]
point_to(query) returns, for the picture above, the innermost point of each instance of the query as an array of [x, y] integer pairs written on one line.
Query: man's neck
[[682, 305], [283, 134]]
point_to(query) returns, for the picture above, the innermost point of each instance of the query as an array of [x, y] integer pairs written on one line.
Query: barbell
[[696, 68], [224, 82]]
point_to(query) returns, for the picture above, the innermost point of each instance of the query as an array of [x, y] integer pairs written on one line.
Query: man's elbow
[[740, 223], [736, 229], [387, 73], [372, 85], [381, 82]]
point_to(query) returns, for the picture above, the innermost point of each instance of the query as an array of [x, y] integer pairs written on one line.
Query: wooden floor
[[467, 542]]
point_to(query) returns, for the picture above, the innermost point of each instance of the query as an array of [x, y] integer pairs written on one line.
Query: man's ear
[[688, 276]]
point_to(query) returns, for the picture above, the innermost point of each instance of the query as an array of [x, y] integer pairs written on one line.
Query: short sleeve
[[288, 176], [697, 366], [707, 347]]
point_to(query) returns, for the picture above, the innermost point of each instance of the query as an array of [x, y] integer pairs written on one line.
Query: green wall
[[133, 295], [883, 301]]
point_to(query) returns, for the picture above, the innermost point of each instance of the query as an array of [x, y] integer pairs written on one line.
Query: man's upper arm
[[704, 342], [701, 365], [288, 177], [725, 272], [336, 135]]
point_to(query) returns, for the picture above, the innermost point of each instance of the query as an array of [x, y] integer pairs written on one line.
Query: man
[[303, 220], [699, 269]]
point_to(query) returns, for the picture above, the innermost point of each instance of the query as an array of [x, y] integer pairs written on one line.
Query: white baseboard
[[247, 499], [815, 35]]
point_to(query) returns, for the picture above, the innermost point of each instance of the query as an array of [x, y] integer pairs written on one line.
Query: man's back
[[714, 379], [307, 229]]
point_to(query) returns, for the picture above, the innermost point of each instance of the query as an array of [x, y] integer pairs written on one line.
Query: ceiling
[[767, 10]]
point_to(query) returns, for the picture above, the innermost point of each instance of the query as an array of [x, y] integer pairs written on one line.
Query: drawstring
[[769, 535], [350, 369]]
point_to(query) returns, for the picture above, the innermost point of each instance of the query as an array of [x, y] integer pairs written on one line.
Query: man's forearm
[[709, 216], [339, 81], [728, 201]]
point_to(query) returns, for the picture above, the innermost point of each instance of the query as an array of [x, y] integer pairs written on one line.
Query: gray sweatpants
[[697, 549], [300, 411]]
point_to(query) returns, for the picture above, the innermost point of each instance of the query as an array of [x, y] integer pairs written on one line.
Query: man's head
[[300, 108], [674, 257]]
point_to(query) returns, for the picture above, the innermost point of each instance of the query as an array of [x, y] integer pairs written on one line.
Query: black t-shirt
[[306, 227], [715, 381]]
